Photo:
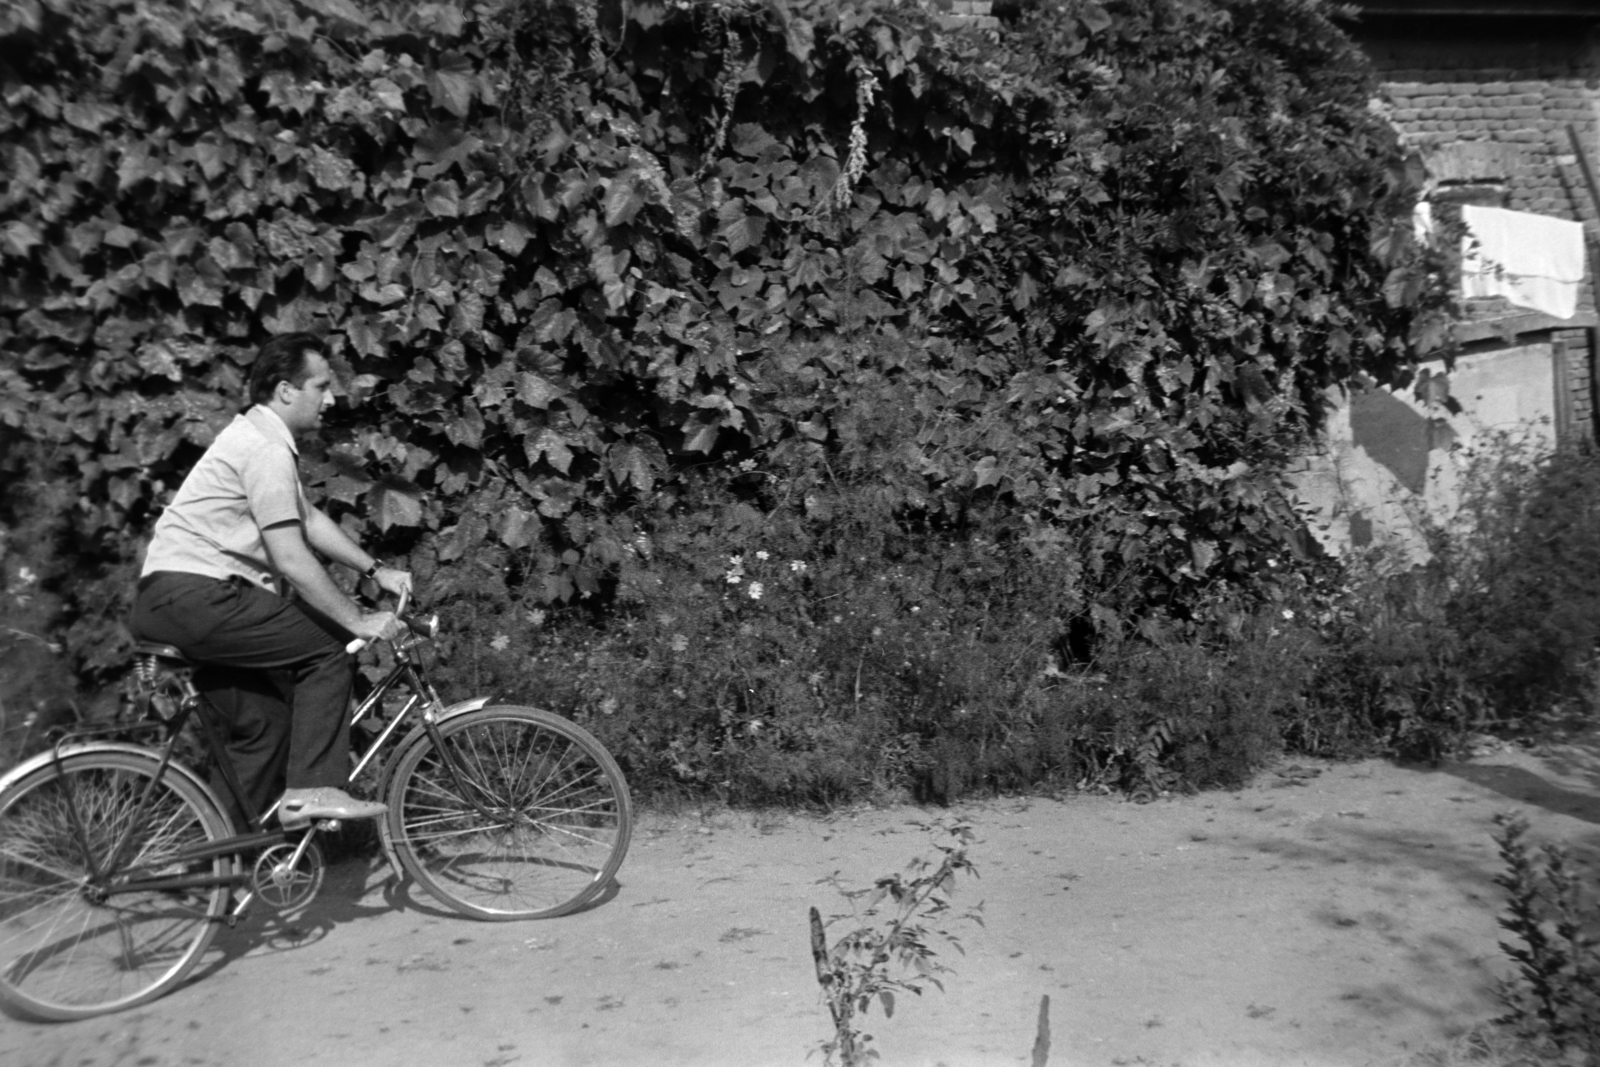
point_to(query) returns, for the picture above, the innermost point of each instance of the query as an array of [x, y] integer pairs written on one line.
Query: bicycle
[[118, 863]]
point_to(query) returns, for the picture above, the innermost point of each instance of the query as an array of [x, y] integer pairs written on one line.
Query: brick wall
[[1514, 88], [1489, 100]]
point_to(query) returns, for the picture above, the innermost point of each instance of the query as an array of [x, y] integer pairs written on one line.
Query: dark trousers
[[276, 672]]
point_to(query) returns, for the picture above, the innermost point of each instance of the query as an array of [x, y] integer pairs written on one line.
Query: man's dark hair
[[282, 359]]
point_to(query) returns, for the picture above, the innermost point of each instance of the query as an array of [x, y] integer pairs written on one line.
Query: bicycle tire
[[562, 814], [65, 955]]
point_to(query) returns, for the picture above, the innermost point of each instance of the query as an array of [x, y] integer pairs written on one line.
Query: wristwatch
[[372, 571]]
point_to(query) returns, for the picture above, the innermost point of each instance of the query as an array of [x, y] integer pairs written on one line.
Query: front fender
[[461, 707], [450, 711]]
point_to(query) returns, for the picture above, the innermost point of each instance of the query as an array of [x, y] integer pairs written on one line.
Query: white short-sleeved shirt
[[246, 481]]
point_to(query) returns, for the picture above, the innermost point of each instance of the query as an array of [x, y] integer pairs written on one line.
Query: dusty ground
[[1334, 916]]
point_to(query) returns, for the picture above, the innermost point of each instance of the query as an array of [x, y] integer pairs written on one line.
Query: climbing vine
[[1080, 283]]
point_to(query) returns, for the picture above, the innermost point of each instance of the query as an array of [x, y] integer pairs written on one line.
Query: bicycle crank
[[288, 876]]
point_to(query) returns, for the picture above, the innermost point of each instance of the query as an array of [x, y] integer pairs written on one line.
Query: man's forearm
[[291, 555], [329, 538], [318, 590]]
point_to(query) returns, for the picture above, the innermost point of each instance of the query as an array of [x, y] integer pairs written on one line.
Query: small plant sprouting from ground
[[891, 945], [1554, 999]]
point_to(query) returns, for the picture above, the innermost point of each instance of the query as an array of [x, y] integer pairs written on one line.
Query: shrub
[[890, 946], [768, 657], [1554, 996], [1496, 631], [37, 686]]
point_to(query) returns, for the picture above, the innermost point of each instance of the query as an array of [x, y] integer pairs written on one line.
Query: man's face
[[306, 403]]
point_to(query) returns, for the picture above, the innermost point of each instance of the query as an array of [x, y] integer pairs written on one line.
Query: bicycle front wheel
[[71, 944], [520, 815]]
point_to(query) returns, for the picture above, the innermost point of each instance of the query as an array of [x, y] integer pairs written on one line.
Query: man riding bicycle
[[237, 538]]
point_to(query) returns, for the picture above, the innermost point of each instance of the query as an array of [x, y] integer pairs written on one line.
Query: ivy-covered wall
[[614, 284]]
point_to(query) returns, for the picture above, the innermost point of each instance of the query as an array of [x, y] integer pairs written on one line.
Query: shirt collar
[[270, 423]]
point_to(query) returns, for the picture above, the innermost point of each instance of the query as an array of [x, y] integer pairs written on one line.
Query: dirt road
[[1330, 916]]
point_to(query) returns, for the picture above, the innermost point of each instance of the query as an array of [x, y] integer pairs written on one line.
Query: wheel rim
[[67, 948], [557, 824]]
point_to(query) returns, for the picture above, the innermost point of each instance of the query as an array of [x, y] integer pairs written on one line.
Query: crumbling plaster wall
[[1492, 104]]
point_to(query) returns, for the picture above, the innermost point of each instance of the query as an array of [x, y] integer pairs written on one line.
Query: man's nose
[[327, 400]]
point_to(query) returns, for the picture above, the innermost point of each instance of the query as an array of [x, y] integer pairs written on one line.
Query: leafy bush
[[1496, 632], [1524, 558], [1554, 997], [36, 687]]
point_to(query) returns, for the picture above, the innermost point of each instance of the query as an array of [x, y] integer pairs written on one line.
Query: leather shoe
[[300, 806]]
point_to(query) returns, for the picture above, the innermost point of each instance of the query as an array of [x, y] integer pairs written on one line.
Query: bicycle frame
[[423, 707]]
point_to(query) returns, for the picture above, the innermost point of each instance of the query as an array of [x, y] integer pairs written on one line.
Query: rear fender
[[78, 748]]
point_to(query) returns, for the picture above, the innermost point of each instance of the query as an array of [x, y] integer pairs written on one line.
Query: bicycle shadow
[[265, 930], [341, 900]]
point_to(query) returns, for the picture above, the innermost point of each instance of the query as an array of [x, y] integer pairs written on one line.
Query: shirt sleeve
[[272, 488]]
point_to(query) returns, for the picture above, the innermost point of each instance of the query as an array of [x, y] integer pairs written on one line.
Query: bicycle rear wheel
[[69, 948], [528, 818]]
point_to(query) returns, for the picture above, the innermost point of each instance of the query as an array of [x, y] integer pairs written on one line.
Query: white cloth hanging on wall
[[1534, 261]]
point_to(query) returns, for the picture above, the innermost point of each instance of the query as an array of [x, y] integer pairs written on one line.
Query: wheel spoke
[[66, 952], [520, 814]]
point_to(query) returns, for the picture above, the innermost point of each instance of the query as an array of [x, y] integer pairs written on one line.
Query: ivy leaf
[[1026, 292], [986, 473], [195, 289], [752, 142], [510, 237], [536, 392], [157, 361], [735, 284], [550, 446], [228, 255], [330, 171], [623, 199], [739, 230], [452, 84], [1094, 18], [345, 489], [388, 94], [88, 116], [392, 293], [338, 9], [518, 528], [630, 463], [17, 237], [647, 13], [821, 175], [700, 434], [443, 199], [387, 229], [393, 507]]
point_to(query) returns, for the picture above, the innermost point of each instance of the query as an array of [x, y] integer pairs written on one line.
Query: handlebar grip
[[358, 643]]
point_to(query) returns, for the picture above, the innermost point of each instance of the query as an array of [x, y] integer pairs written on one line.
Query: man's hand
[[373, 625], [392, 580]]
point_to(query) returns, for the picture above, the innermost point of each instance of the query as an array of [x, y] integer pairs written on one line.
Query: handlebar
[[425, 627]]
